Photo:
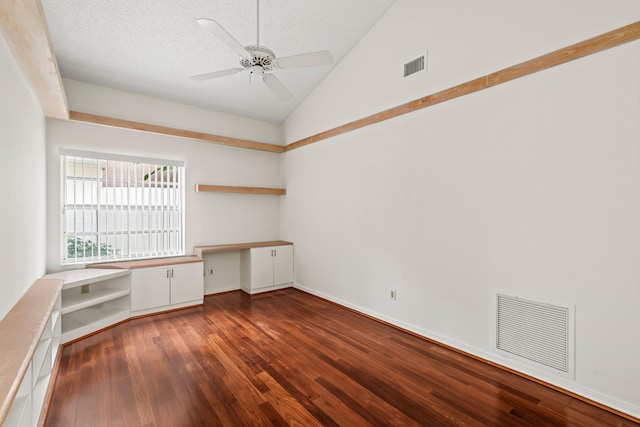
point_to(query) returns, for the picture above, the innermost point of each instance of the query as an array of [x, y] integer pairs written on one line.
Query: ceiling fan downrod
[[258, 22]]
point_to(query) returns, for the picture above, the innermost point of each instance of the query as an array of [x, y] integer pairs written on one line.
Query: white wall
[[211, 218], [22, 168], [89, 98], [465, 39], [531, 187]]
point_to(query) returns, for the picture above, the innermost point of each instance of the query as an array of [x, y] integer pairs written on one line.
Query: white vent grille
[[414, 66], [536, 331]]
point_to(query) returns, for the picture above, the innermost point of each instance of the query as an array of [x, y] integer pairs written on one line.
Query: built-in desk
[[232, 247], [253, 267]]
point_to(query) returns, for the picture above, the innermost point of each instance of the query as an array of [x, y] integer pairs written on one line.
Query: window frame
[[140, 204]]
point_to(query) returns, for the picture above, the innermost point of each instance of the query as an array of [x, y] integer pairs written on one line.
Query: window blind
[[120, 207]]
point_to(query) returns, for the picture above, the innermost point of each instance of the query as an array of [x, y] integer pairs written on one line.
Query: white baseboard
[[564, 383], [265, 289], [221, 290]]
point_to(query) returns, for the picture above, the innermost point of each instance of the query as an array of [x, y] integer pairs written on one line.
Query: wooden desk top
[[20, 332], [201, 250], [144, 263]]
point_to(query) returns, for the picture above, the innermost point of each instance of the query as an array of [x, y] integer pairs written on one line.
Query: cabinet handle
[[172, 273], [167, 273]]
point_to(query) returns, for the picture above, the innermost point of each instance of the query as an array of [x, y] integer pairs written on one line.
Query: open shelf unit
[[92, 299], [30, 334], [21, 413], [75, 301]]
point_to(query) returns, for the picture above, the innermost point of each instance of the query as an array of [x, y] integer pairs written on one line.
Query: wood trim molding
[[593, 45], [171, 310], [579, 50], [145, 127], [244, 190], [24, 26]]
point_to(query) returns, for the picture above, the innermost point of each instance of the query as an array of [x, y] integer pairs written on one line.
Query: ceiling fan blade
[[224, 36], [216, 74], [312, 59], [277, 87]]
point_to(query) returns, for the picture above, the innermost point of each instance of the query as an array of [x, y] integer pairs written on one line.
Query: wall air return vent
[[537, 333], [414, 66]]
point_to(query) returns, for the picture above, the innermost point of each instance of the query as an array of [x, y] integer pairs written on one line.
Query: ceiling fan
[[259, 60]]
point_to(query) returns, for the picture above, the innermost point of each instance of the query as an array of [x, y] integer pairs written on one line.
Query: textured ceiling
[[151, 47]]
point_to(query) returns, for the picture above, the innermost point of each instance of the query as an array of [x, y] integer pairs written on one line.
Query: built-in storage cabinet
[[282, 265], [186, 283], [42, 365], [267, 268], [30, 334], [150, 287], [92, 299], [22, 411], [167, 287], [29, 400], [56, 328]]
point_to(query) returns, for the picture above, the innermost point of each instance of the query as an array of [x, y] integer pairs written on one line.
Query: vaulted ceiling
[[152, 47]]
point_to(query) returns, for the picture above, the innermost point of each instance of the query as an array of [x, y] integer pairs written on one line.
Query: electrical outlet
[[210, 271], [392, 294]]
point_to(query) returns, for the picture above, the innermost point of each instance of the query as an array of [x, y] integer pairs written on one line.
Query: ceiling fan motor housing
[[260, 56]]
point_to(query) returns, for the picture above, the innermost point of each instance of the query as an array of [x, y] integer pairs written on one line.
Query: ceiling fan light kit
[[260, 60], [260, 56]]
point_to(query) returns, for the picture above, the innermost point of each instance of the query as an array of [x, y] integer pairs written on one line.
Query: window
[[120, 207]]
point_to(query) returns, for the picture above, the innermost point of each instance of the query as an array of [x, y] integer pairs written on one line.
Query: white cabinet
[[187, 283], [92, 299], [167, 287], [283, 265], [149, 288], [264, 269]]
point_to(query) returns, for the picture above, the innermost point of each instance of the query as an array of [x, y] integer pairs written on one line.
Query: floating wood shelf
[[245, 190]]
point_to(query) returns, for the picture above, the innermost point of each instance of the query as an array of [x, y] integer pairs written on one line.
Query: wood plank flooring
[[288, 358]]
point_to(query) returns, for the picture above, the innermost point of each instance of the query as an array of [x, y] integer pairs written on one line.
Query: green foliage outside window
[[77, 247]]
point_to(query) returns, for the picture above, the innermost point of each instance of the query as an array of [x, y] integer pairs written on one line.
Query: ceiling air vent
[[414, 66]]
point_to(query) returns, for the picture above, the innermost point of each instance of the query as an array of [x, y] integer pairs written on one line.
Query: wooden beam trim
[[145, 127], [24, 27], [579, 50], [244, 190]]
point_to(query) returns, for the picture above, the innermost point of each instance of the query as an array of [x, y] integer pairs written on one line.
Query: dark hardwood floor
[[287, 358]]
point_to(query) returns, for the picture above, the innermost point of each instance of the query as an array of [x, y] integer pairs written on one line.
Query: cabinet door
[[261, 267], [149, 288], [283, 265], [187, 282]]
